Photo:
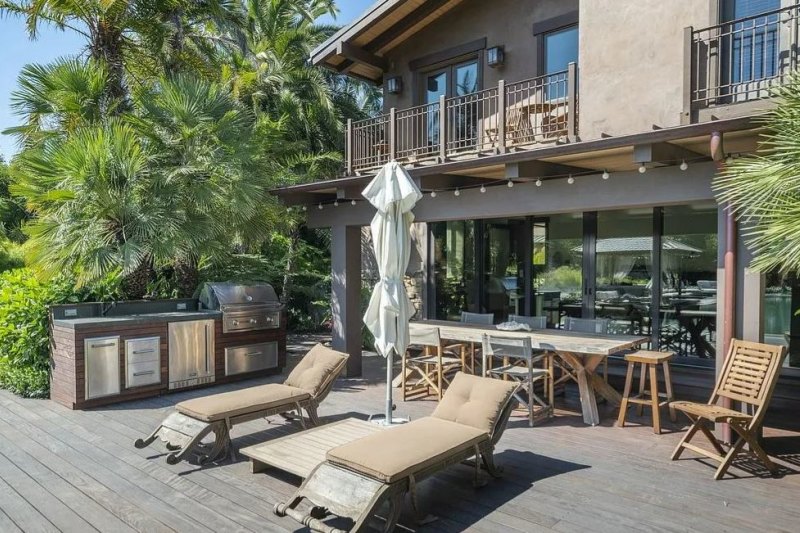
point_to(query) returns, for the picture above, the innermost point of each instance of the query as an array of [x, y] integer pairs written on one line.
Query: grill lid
[[217, 295]]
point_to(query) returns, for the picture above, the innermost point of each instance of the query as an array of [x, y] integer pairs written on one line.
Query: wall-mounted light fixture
[[496, 56], [394, 85]]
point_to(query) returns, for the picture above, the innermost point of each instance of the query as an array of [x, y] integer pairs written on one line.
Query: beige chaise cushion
[[312, 371], [241, 402], [400, 451], [475, 401]]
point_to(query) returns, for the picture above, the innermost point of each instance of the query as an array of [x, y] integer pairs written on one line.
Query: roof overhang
[[612, 153], [359, 49]]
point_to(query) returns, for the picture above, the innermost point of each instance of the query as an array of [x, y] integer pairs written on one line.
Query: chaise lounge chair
[[305, 388], [359, 477]]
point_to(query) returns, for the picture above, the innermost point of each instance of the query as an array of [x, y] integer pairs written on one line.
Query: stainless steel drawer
[[142, 350], [139, 374], [101, 360], [249, 322], [251, 358]]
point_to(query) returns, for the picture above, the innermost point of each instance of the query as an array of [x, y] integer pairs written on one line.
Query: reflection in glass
[[557, 267], [689, 280], [503, 287], [624, 266], [560, 49], [454, 268], [781, 323], [435, 86]]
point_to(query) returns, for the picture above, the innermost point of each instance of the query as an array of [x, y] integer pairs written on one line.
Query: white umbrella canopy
[[393, 193]]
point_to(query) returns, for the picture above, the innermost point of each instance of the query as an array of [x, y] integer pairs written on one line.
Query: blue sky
[[16, 50]]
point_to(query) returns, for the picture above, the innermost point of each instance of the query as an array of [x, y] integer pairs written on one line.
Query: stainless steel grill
[[244, 307]]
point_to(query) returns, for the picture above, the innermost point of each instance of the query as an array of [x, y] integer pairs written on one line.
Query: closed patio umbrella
[[394, 195]]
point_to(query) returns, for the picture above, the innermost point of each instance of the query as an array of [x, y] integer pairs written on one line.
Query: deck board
[[64, 470]]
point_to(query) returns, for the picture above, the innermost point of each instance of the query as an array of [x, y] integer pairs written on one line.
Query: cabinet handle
[[251, 354], [147, 373], [137, 352], [106, 345]]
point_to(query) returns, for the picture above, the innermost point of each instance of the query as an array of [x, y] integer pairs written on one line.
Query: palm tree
[[764, 189]]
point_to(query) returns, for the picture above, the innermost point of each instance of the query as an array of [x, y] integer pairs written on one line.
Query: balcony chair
[[515, 350], [306, 387], [429, 373], [359, 477], [749, 376]]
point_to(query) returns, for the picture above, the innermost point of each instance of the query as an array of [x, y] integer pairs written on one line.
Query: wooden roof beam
[[359, 55], [662, 154]]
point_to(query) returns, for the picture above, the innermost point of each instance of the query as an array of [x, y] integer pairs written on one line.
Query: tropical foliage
[[764, 189], [149, 158]]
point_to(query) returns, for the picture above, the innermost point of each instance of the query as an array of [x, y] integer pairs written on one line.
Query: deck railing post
[[392, 134], [501, 116], [572, 99], [348, 142], [686, 116], [442, 128]]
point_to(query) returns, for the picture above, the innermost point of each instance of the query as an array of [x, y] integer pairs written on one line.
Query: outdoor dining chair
[[590, 325], [513, 349], [749, 377], [470, 350], [430, 373], [533, 322]]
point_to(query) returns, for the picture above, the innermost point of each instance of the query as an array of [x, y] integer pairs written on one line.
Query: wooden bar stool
[[649, 361]]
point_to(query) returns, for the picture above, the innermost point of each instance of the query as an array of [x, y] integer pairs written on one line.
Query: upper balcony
[[733, 66], [512, 116]]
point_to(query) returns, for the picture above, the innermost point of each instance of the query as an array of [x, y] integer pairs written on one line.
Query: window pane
[[454, 268], [558, 267], [624, 264], [560, 49], [689, 281], [466, 77], [781, 324], [435, 86], [503, 285]]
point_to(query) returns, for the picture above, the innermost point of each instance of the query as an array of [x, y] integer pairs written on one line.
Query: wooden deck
[[64, 470]]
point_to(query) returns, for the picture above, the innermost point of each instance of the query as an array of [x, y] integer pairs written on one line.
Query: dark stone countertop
[[134, 320]]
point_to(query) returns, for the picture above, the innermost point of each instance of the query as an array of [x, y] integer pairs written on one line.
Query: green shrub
[[10, 256], [24, 325]]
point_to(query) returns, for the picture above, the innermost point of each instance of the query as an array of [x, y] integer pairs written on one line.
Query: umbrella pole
[[389, 418]]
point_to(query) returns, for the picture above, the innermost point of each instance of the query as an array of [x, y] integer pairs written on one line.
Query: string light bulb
[[457, 192], [570, 179], [433, 194], [510, 184], [352, 202], [642, 169], [483, 189], [320, 206], [305, 208], [336, 203], [539, 182], [606, 175], [684, 165]]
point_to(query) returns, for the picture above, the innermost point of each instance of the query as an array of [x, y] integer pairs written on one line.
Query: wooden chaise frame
[[183, 435], [749, 376], [336, 490]]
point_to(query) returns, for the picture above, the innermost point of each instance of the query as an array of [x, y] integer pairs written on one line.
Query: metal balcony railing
[[515, 115], [740, 60]]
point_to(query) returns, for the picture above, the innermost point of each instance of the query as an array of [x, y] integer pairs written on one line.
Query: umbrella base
[[381, 420]]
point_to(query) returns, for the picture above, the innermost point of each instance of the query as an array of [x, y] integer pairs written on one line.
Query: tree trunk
[[106, 48], [134, 284], [187, 276], [288, 275]]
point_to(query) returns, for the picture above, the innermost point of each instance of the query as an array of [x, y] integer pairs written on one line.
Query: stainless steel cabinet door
[[191, 350], [101, 361]]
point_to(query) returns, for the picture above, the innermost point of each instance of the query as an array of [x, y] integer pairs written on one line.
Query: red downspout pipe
[[729, 266]]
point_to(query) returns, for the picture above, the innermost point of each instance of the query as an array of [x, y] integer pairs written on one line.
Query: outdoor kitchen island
[[104, 353]]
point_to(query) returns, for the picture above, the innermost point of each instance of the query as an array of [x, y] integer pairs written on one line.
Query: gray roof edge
[[320, 52]]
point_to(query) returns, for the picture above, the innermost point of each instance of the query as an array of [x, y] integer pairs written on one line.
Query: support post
[[442, 129], [572, 99], [501, 117], [688, 69], [349, 146], [392, 134], [346, 294]]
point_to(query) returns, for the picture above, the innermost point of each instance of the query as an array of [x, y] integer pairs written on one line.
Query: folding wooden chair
[[749, 376], [430, 373], [516, 350]]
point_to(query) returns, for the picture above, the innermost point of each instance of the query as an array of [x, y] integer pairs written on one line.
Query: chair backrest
[[587, 325], [515, 347], [477, 318], [426, 337], [317, 371], [750, 374], [535, 322], [483, 403]]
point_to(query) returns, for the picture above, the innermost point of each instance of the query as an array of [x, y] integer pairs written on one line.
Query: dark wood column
[[346, 294]]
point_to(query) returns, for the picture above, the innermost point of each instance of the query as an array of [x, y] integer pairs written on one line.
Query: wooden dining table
[[582, 353]]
